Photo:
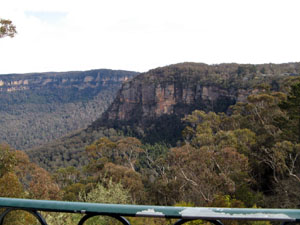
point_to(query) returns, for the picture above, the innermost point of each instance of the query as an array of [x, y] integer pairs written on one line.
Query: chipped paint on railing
[[150, 213], [222, 213]]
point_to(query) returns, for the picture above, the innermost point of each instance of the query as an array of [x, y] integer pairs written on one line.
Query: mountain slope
[[151, 105], [37, 108]]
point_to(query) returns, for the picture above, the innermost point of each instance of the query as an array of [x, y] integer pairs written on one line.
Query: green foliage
[[252, 131], [124, 152], [204, 172], [106, 192], [210, 129], [71, 192], [150, 156], [7, 28], [69, 150], [10, 186], [21, 179], [291, 106], [7, 159], [111, 193], [117, 160], [66, 176]]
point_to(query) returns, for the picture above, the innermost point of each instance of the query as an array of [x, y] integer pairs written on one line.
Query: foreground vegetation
[[249, 158]]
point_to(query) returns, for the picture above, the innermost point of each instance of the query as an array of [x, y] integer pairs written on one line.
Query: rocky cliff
[[138, 100], [79, 80], [160, 98], [37, 108]]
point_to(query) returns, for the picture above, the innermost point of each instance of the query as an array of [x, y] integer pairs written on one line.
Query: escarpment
[[151, 106], [155, 102]]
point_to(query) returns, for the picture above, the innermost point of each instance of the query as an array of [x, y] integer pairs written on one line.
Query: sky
[[138, 35]]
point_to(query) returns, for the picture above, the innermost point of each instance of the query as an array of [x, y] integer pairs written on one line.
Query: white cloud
[[142, 34]]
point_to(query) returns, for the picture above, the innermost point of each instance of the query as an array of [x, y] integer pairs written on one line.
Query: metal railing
[[119, 212]]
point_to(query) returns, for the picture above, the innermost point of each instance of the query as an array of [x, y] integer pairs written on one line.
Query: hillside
[[151, 105], [40, 107]]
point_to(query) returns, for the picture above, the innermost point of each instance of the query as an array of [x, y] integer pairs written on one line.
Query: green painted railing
[[119, 212]]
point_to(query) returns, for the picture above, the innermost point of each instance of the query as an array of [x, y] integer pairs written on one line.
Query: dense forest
[[244, 156], [38, 108]]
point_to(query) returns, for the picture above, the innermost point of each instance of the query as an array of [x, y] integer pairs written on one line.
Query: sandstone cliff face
[[80, 80], [160, 98], [138, 100]]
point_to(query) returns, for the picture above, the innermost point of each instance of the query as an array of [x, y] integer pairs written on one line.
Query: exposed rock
[[175, 91]]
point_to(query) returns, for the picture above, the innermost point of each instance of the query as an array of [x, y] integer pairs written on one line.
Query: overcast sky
[[64, 35]]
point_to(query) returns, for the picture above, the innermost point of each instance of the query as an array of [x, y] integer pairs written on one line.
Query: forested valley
[[243, 155], [40, 107]]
